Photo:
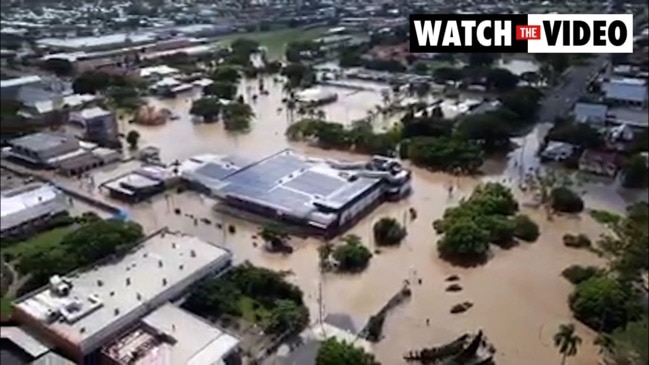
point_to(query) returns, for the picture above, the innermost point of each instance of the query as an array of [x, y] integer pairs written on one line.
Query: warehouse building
[[82, 311], [140, 184], [61, 152], [28, 207], [322, 196]]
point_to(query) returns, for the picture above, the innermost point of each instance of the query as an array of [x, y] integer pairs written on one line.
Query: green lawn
[[634, 339], [249, 313], [5, 307], [41, 242], [275, 40]]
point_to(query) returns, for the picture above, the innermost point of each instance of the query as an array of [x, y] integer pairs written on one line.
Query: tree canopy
[[388, 232], [237, 116], [334, 352], [209, 108], [93, 240], [278, 305], [352, 256], [636, 172], [483, 218]]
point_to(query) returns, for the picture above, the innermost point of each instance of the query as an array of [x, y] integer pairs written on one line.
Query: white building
[[81, 311], [187, 339], [29, 206]]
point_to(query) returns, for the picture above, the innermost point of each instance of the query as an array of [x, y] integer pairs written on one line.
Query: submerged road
[[560, 100]]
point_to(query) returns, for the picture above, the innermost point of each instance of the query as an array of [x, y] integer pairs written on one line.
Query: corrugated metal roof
[[627, 90], [590, 112]]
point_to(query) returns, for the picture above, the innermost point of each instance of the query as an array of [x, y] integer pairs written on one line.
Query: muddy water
[[519, 298]]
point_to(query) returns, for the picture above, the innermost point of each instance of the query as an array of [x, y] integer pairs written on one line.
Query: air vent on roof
[[82, 329], [112, 293], [128, 281], [116, 311], [159, 263], [173, 245], [181, 267], [192, 253], [164, 281], [138, 296], [100, 283], [145, 254]]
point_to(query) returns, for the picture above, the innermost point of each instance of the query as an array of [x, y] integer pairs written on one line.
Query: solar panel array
[[288, 182]]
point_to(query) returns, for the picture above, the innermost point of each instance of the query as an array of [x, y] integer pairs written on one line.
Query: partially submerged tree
[[352, 256], [132, 138], [566, 341], [388, 232]]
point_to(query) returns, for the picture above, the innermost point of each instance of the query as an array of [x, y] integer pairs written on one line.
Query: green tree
[[208, 108], [221, 90], [214, 297], [287, 316], [274, 233], [388, 232], [464, 240], [298, 75], [334, 352], [226, 74], [524, 102], [525, 228], [132, 139], [636, 172], [501, 80], [487, 129], [566, 201], [352, 256], [445, 154], [567, 341], [59, 66], [237, 116], [602, 303]]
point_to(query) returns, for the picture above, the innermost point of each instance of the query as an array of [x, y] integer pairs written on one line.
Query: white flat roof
[[157, 70], [197, 342], [107, 293], [29, 202], [20, 81]]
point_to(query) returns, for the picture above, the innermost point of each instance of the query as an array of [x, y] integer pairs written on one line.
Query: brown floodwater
[[519, 297]]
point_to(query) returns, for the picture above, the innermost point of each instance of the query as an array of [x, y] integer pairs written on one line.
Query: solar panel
[[314, 183]]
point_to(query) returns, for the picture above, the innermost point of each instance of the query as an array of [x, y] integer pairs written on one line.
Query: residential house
[[599, 163]]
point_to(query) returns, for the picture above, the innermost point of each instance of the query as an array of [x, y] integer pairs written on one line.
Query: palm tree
[[567, 341], [606, 344]]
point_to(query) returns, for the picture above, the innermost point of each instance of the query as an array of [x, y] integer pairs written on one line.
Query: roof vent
[[181, 267], [173, 245], [112, 293], [100, 283], [159, 263], [128, 281], [192, 253], [164, 281], [138, 296], [82, 329], [116, 311], [145, 254]]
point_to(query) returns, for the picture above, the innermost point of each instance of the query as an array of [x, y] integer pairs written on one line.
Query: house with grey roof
[[591, 113], [626, 91]]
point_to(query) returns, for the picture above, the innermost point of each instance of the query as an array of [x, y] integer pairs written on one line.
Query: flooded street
[[519, 296]]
